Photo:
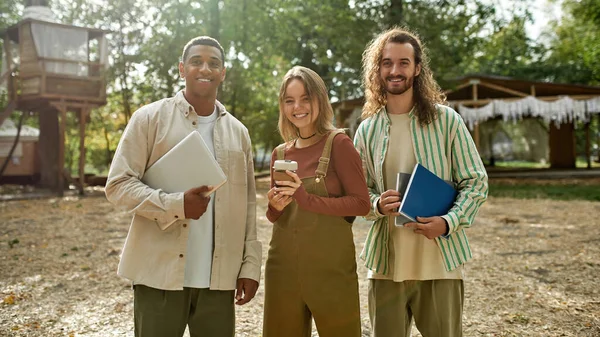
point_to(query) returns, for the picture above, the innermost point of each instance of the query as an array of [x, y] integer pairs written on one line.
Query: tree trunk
[[125, 98], [108, 150], [236, 84], [122, 75], [265, 154], [598, 139], [214, 32], [48, 148], [215, 22], [395, 13]]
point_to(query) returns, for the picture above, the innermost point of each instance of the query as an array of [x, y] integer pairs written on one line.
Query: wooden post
[[598, 139], [61, 150], [588, 152], [12, 90], [48, 146], [562, 146], [476, 130], [83, 112]]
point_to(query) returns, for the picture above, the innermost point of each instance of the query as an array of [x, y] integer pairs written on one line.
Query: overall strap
[[321, 171], [280, 151]]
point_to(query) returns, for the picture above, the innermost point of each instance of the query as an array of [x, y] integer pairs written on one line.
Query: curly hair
[[426, 92], [317, 92]]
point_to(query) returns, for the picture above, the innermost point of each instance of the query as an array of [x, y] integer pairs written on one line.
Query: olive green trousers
[[435, 305], [166, 313]]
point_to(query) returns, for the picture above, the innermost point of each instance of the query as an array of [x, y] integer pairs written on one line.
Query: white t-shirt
[[198, 263]]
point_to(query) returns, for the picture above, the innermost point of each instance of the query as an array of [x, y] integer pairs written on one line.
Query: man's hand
[[195, 202], [430, 227], [246, 289], [389, 202]]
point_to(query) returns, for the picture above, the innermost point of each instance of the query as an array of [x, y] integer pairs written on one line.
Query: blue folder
[[426, 195]]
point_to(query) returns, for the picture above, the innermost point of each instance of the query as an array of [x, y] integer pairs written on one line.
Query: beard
[[398, 90]]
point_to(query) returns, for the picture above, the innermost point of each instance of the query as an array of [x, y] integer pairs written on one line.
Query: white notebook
[[188, 164]]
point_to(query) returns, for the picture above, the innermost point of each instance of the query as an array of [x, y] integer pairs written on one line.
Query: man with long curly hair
[[415, 269]]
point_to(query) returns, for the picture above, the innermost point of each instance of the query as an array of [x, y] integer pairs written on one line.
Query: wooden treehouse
[[52, 69]]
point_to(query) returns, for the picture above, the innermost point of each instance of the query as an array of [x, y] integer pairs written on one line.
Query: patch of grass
[[517, 319], [582, 163], [521, 164], [556, 192]]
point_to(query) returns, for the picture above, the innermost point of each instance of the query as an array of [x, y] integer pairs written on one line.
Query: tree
[[575, 52], [510, 52], [575, 55]]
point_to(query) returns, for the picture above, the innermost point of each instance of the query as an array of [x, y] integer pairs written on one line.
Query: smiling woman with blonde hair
[[311, 267], [316, 89]]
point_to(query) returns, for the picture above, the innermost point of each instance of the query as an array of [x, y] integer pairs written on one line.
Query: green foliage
[[510, 52], [548, 191], [10, 12], [575, 51], [452, 30]]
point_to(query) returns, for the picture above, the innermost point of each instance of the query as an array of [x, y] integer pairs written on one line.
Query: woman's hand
[[282, 194], [278, 201], [288, 187]]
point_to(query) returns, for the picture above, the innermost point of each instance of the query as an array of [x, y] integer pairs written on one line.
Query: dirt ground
[[535, 270]]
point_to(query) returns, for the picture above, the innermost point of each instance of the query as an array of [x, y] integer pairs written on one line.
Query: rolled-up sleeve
[[124, 187]]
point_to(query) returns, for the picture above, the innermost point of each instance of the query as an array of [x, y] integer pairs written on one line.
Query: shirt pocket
[[237, 167]]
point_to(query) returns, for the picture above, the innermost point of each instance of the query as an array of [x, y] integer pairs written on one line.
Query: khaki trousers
[[435, 305], [165, 313]]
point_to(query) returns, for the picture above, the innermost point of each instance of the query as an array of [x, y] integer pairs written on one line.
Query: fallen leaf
[[10, 299]]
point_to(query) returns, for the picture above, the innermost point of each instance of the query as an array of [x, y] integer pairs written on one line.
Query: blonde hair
[[426, 92], [317, 93]]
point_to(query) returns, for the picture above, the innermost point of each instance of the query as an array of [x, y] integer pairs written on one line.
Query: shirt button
[[180, 255], [193, 123], [184, 225], [177, 216]]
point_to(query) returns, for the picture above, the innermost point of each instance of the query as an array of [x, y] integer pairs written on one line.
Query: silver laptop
[[188, 164]]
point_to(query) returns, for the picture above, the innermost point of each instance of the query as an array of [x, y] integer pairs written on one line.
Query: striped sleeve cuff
[[452, 221], [376, 209]]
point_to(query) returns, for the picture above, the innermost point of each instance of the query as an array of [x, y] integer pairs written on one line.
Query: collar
[[383, 113], [186, 108]]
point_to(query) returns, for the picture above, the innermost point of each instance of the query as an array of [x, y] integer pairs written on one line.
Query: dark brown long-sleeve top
[[345, 181]]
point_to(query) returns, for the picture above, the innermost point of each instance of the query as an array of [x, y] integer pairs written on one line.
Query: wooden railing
[[94, 68]]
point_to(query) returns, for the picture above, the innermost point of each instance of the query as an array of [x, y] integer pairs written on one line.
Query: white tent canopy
[[563, 110]]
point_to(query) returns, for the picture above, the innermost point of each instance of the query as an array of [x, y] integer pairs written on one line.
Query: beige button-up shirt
[[156, 246]]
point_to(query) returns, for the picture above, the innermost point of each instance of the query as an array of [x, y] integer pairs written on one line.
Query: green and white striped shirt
[[446, 148]]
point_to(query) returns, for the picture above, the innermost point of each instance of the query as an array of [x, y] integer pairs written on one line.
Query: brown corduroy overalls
[[311, 268]]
